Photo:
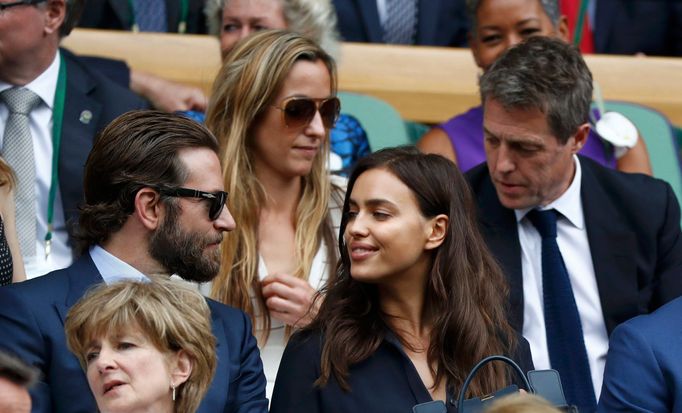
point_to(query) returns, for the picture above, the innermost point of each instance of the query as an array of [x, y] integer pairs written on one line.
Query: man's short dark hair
[[74, 9], [136, 150], [16, 371], [545, 74]]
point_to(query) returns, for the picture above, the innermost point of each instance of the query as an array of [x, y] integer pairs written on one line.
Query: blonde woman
[[11, 263], [144, 346], [234, 20], [272, 106]]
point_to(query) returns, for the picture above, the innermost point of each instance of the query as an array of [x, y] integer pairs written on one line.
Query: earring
[[173, 387]]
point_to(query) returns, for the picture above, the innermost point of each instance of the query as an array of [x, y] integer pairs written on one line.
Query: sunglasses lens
[[298, 112], [329, 111], [217, 205]]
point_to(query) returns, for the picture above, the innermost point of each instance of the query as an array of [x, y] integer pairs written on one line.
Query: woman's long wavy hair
[[465, 294], [249, 80]]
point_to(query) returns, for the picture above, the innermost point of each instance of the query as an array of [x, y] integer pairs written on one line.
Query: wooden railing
[[425, 84]]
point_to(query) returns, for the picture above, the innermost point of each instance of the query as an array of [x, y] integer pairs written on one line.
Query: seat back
[[659, 136], [383, 124]]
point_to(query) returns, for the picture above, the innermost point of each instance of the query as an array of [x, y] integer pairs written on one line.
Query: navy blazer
[[652, 27], [86, 90], [440, 22], [116, 15], [32, 315], [633, 228], [644, 365]]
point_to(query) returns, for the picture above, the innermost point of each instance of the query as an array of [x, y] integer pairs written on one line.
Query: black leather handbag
[[544, 383]]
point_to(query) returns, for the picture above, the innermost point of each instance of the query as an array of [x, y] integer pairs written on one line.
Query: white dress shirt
[[575, 250], [381, 8], [113, 269], [40, 123]]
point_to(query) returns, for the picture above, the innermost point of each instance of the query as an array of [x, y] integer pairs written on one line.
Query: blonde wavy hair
[[6, 174], [522, 403], [315, 19], [248, 82], [170, 314]]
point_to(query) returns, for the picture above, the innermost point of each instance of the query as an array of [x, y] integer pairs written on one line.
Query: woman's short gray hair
[[315, 19]]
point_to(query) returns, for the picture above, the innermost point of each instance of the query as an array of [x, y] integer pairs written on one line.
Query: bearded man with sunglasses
[[154, 204]]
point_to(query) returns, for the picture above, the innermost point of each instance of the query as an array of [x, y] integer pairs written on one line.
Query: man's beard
[[183, 253]]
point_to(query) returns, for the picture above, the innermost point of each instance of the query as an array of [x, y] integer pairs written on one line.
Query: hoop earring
[[173, 387]]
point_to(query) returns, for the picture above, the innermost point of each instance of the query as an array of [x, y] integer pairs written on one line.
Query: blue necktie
[[400, 26], [150, 15], [565, 340]]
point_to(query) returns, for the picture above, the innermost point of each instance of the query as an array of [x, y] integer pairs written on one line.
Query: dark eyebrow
[[374, 202], [528, 20], [496, 27]]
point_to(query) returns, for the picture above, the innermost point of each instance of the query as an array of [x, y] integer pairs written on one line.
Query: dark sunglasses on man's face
[[216, 199], [300, 111]]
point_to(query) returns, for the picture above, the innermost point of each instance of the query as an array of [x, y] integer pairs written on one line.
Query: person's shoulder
[[227, 313], [627, 187], [625, 180], [35, 296], [53, 283], [305, 345], [665, 319], [81, 72]]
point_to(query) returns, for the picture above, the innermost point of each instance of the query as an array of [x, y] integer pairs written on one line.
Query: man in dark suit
[[638, 26], [438, 22], [31, 60], [644, 365], [181, 16], [153, 205], [618, 235]]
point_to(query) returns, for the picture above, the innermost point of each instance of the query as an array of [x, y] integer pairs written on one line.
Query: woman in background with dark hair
[[11, 263], [416, 303]]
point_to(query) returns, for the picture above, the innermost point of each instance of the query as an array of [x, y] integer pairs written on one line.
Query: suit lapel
[[123, 12], [82, 275], [370, 18], [218, 393], [81, 117], [501, 235], [613, 247]]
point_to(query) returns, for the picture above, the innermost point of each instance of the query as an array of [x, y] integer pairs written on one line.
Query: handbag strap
[[512, 363]]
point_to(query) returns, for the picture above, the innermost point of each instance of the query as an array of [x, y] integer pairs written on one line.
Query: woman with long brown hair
[[417, 300]]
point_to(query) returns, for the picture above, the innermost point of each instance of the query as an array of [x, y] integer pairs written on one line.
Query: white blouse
[[271, 353]]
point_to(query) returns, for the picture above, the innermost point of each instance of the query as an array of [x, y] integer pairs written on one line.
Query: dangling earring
[[173, 387]]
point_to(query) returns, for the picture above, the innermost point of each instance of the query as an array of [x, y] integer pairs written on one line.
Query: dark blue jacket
[[32, 317]]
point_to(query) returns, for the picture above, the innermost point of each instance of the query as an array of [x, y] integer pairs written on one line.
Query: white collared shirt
[[381, 8], [575, 250], [113, 269], [40, 123]]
